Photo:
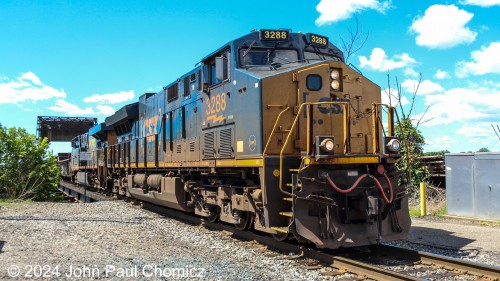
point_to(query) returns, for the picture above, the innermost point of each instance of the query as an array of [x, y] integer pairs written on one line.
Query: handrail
[[274, 128], [375, 119], [267, 144], [306, 69], [346, 123]]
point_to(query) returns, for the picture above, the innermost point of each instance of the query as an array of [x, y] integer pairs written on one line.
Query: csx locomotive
[[271, 132]]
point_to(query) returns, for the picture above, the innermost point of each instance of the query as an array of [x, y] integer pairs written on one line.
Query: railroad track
[[378, 262], [426, 265]]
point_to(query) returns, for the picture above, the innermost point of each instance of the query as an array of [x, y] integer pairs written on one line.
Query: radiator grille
[[192, 146], [225, 143], [208, 145]]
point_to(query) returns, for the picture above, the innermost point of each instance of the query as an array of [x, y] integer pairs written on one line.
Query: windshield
[[308, 55], [257, 57]]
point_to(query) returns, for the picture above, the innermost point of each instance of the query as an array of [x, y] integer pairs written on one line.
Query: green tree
[[483, 149], [411, 149], [28, 170], [412, 140]]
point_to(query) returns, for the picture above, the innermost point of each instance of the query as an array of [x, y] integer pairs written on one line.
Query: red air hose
[[357, 182], [345, 190]]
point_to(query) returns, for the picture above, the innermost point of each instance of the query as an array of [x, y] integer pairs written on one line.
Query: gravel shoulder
[[114, 241], [111, 239], [465, 239]]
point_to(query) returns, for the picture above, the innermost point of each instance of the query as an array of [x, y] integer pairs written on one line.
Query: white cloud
[[71, 109], [112, 98], [335, 10], [484, 61], [482, 3], [480, 129], [105, 110], [379, 61], [443, 26], [465, 105], [411, 72], [441, 74], [439, 143], [426, 87], [27, 87]]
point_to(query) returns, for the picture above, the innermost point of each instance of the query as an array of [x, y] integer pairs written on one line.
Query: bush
[[28, 170]]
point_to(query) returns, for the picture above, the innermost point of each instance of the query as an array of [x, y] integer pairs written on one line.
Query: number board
[[273, 35], [317, 40]]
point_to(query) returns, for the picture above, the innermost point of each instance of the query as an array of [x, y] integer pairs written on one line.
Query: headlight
[[335, 74], [394, 145], [335, 84], [327, 145]]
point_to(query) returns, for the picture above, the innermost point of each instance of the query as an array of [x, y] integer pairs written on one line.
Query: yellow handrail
[[274, 128], [346, 123], [265, 149], [375, 118]]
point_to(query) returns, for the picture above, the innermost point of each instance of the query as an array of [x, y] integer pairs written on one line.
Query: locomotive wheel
[[246, 221], [214, 214]]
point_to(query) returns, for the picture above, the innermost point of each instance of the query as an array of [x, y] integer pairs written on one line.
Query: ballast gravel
[[115, 241]]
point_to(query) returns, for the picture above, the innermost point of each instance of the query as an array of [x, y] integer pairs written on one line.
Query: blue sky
[[89, 58]]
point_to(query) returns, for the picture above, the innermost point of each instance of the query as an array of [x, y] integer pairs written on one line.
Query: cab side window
[[216, 69]]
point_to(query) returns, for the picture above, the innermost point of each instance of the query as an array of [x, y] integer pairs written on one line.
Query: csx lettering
[[151, 125], [332, 108], [216, 104]]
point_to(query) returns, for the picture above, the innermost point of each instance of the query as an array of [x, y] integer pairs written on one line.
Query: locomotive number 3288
[[216, 103], [272, 34]]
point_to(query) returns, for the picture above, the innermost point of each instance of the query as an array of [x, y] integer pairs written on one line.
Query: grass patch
[[11, 202], [55, 197], [440, 212], [415, 212], [6, 202]]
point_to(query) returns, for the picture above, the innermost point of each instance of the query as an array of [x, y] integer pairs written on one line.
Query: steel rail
[[470, 267]]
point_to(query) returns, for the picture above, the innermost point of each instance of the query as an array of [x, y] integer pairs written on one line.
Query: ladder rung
[[280, 229], [289, 184], [294, 170], [286, 214], [288, 199]]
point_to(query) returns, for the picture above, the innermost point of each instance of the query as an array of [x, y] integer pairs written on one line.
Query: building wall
[[473, 185]]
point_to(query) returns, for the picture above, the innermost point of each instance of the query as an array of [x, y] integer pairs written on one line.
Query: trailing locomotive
[[271, 132]]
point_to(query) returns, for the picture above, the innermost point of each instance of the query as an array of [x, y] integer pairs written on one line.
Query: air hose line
[[377, 182]]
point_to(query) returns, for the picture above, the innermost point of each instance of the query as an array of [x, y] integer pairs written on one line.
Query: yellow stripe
[[186, 164], [240, 163], [346, 160], [258, 162], [175, 164]]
